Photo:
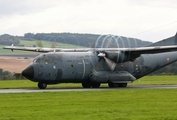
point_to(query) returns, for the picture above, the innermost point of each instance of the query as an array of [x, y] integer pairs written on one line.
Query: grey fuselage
[[75, 67]]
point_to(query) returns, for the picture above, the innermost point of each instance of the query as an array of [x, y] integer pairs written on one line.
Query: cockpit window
[[37, 60], [34, 61]]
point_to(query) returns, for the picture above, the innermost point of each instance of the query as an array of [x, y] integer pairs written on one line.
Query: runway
[[86, 89]]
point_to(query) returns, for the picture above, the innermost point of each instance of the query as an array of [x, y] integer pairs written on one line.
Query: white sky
[[149, 20]]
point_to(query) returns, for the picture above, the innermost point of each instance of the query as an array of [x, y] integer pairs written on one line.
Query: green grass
[[156, 80], [48, 44], [149, 104], [9, 84], [147, 80], [120, 104]]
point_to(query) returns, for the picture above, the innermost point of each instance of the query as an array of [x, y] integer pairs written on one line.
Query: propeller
[[102, 55], [111, 65], [110, 58]]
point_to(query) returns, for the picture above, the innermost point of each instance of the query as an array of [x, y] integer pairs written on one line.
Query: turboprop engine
[[120, 56]]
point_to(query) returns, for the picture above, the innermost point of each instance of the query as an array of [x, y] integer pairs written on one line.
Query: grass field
[[149, 104], [120, 104], [147, 80], [47, 44]]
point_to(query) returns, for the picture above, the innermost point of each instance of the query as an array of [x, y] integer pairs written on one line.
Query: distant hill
[[85, 40], [7, 39]]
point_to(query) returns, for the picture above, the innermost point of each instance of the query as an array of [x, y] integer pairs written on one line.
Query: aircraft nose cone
[[28, 72]]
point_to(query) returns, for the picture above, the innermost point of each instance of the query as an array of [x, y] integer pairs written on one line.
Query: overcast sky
[[149, 20]]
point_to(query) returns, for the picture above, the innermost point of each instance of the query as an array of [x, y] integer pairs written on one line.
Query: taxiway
[[88, 89]]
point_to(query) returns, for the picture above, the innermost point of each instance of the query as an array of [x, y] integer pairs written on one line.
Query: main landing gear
[[91, 84], [42, 85], [113, 85], [97, 84], [87, 84]]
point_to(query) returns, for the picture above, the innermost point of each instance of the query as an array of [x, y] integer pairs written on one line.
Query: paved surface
[[84, 89]]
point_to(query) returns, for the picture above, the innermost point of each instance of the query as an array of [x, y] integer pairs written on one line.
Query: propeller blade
[[111, 65]]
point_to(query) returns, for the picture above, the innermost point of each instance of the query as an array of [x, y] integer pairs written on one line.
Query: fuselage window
[[47, 61]]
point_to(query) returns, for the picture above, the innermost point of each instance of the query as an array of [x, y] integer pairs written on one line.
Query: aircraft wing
[[33, 49], [115, 54], [130, 54], [139, 50]]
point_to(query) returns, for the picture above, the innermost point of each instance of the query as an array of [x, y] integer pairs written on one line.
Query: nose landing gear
[[42, 85]]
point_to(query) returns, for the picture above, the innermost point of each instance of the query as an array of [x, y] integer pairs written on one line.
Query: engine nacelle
[[115, 77], [121, 56]]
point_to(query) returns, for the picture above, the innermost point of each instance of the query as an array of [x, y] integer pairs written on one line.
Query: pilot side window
[[38, 60], [34, 61]]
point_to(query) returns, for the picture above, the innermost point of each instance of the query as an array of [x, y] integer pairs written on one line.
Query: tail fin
[[166, 42]]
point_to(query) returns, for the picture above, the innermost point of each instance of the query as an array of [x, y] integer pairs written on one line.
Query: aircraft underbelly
[[115, 77]]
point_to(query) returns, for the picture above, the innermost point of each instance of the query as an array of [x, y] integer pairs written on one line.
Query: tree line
[[7, 39], [87, 40]]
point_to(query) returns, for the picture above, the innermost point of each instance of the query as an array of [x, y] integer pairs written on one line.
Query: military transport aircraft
[[93, 66]]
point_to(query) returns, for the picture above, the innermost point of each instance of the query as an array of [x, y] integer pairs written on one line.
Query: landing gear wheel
[[112, 85], [42, 85], [122, 84], [95, 85], [86, 85]]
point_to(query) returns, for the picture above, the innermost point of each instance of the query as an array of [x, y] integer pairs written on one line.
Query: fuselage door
[[80, 69]]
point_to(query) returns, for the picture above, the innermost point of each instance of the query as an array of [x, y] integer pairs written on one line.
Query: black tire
[[112, 85], [86, 85], [42, 85], [95, 84], [122, 84]]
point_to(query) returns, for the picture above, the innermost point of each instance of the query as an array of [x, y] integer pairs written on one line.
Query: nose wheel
[[42, 85]]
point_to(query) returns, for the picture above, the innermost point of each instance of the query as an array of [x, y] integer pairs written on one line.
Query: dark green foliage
[[1, 73], [28, 36], [6, 75], [87, 40], [54, 45], [7, 39], [39, 43]]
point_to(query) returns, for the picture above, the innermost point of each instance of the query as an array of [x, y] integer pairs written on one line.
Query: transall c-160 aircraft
[[93, 66]]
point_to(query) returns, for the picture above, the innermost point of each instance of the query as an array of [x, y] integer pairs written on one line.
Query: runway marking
[[86, 89]]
